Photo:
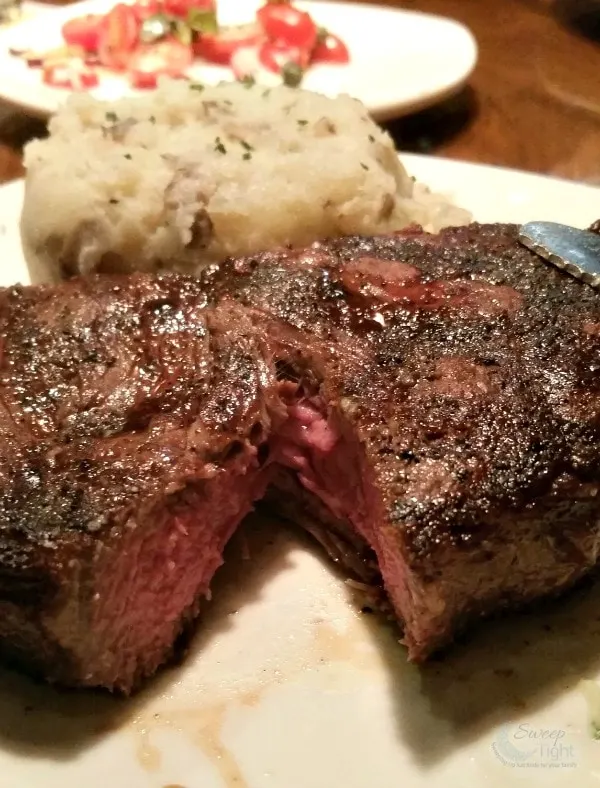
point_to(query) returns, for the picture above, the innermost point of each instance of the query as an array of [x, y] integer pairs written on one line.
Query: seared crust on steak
[[439, 395]]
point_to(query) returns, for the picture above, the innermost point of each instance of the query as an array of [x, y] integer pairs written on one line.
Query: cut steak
[[428, 406], [133, 424], [458, 377]]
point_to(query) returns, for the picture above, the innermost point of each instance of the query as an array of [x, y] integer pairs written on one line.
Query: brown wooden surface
[[532, 103]]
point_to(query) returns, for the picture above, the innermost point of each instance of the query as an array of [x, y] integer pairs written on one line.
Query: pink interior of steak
[[328, 460], [310, 443], [158, 576]]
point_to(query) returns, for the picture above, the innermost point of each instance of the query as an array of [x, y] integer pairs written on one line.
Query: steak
[[132, 423], [428, 406]]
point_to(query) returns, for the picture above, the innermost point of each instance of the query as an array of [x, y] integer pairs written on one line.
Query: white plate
[[288, 686], [401, 60]]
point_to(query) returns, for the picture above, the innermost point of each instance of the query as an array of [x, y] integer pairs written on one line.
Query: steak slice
[[133, 422], [451, 413], [433, 401]]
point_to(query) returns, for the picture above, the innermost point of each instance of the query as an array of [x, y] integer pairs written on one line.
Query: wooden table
[[532, 103]]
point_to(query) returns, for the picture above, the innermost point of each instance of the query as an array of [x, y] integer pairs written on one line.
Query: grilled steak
[[458, 378], [433, 401], [132, 428]]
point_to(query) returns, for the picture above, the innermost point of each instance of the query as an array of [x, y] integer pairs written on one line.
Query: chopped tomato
[[144, 9], [119, 33], [165, 58], [219, 48], [282, 22], [275, 56], [182, 8], [330, 49], [92, 59], [65, 75], [143, 80], [82, 31]]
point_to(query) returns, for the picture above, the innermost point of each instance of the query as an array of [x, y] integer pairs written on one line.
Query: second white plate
[[401, 61]]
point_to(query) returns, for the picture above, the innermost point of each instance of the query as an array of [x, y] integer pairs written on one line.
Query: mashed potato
[[188, 175]]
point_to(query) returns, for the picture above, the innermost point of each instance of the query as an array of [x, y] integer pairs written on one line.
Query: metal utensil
[[575, 251]]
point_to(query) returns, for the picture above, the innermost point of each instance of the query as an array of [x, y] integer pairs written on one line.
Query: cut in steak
[[431, 404]]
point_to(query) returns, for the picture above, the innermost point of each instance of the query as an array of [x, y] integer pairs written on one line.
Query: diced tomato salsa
[[150, 38]]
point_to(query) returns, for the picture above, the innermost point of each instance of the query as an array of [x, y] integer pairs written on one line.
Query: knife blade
[[577, 252]]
